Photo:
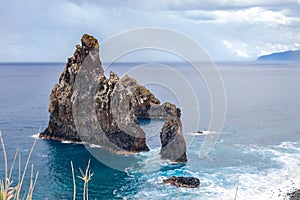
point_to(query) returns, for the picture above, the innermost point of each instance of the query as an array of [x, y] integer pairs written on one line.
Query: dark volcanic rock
[[86, 106], [294, 195], [171, 135], [61, 123], [181, 181]]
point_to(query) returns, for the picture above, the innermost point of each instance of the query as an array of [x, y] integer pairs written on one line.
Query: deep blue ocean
[[259, 146]]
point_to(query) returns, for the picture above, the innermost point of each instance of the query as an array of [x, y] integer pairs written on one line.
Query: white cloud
[[227, 44], [237, 52], [207, 5], [241, 54], [210, 4], [269, 48], [259, 15], [263, 52], [252, 15], [228, 30]]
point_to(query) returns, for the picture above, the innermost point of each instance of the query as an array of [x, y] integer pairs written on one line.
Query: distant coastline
[[281, 56]]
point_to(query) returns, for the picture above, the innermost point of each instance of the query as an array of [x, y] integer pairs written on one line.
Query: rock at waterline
[[87, 106], [199, 132], [181, 181], [294, 195]]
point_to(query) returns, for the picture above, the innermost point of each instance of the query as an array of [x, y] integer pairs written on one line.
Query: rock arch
[[108, 109]]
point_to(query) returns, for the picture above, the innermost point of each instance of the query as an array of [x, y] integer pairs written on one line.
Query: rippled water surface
[[259, 146]]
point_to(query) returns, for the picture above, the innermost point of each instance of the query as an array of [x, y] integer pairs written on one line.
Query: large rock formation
[[171, 135], [86, 106]]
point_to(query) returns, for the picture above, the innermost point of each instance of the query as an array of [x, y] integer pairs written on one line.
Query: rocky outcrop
[[180, 181], [61, 124], [171, 135], [87, 106], [295, 195]]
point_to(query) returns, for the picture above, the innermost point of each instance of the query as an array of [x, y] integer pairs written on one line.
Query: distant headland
[[281, 56]]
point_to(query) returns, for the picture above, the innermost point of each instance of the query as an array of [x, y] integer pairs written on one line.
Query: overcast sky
[[33, 30]]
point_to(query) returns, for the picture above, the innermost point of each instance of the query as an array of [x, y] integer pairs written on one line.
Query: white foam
[[71, 142], [95, 146], [66, 142], [42, 155], [158, 180], [199, 133], [273, 183], [151, 161], [128, 170], [36, 136], [254, 183]]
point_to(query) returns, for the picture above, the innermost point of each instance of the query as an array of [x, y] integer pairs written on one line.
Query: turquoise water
[[259, 145]]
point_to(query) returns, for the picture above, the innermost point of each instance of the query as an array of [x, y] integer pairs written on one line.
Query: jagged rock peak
[[89, 41], [86, 106]]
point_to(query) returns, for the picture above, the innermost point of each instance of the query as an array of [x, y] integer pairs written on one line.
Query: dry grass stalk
[[24, 172], [5, 163], [74, 183], [7, 190], [179, 190], [237, 187], [86, 177]]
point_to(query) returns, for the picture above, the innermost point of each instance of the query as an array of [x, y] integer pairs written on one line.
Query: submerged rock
[[295, 195], [199, 132], [87, 106], [181, 181]]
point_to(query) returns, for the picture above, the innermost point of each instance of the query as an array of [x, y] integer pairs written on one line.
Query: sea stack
[[89, 107]]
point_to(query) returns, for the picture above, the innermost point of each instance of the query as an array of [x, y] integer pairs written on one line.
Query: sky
[[47, 31]]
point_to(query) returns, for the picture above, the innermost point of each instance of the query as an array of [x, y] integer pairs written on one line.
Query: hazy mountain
[[286, 56]]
